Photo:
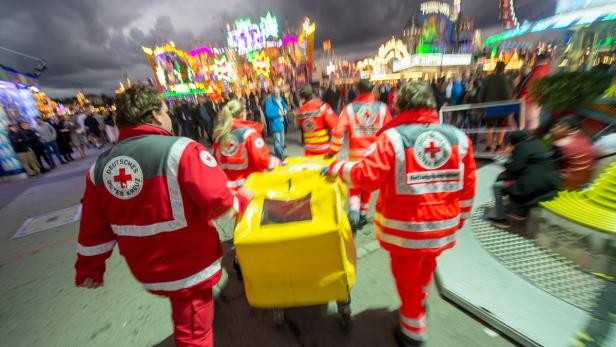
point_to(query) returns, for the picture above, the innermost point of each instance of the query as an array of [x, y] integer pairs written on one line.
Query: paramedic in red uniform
[[317, 121], [239, 147], [362, 119], [426, 176], [155, 195]]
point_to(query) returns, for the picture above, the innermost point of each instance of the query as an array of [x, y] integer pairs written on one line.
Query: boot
[[362, 220], [354, 219], [405, 341]]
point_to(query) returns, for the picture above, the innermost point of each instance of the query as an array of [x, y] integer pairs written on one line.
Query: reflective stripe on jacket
[[317, 120], [245, 153], [426, 176], [362, 119]]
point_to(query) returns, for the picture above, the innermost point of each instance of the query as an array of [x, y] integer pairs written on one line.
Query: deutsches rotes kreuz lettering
[[432, 149], [123, 177]]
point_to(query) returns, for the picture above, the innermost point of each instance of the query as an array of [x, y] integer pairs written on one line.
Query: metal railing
[[486, 120]]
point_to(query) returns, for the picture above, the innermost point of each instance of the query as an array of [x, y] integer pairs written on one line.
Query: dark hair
[[306, 93], [542, 57], [416, 94], [364, 86], [500, 66], [135, 105]]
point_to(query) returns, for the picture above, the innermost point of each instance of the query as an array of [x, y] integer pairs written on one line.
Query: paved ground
[[39, 305]]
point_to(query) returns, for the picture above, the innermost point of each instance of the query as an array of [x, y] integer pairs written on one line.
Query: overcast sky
[[92, 43]]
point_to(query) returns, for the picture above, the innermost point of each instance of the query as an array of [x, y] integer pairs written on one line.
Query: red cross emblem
[[432, 149], [122, 178]]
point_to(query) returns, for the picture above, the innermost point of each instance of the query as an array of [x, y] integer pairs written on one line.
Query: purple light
[[204, 49], [289, 39]]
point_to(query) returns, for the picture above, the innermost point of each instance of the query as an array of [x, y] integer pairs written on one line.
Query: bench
[[594, 207]]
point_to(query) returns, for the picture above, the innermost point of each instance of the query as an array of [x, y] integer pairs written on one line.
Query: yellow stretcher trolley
[[294, 243]]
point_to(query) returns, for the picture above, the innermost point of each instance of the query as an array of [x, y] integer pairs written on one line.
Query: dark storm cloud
[[92, 43]]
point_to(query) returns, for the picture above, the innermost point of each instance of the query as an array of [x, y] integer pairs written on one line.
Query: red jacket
[[245, 153], [317, 120], [538, 72], [362, 118], [155, 195], [425, 174]]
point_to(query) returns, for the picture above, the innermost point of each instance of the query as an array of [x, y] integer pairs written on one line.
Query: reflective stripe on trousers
[[412, 243], [417, 226]]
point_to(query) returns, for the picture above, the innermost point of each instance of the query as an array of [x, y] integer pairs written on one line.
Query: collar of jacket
[[237, 123], [315, 102], [141, 130], [365, 98], [413, 116]]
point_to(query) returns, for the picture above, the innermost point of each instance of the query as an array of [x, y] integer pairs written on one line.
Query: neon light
[[224, 70], [435, 7], [269, 26], [561, 21], [289, 39], [569, 5], [201, 50], [611, 16], [434, 59], [247, 36], [262, 64]]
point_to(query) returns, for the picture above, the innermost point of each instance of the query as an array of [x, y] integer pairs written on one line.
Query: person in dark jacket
[[70, 134], [496, 88], [331, 97], [94, 130], [22, 150], [529, 177], [206, 118], [33, 140]]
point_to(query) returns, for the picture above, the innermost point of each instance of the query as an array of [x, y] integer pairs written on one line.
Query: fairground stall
[[257, 55], [16, 104], [581, 34], [438, 43]]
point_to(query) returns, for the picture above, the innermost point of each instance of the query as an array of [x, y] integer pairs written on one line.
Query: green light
[[190, 92], [611, 16], [269, 26]]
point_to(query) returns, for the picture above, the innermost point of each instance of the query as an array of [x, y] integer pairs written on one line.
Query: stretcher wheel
[[279, 317], [344, 310]]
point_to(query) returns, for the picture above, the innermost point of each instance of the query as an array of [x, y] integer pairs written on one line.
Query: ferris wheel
[[508, 15]]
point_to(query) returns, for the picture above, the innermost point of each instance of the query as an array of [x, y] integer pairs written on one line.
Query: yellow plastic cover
[[294, 243]]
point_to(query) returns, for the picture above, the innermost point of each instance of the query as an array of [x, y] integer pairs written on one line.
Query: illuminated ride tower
[[507, 14]]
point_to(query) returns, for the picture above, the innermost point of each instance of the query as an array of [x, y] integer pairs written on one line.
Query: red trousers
[[359, 200], [413, 274], [192, 320]]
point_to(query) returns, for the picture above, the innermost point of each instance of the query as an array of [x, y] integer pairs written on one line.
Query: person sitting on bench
[[529, 178]]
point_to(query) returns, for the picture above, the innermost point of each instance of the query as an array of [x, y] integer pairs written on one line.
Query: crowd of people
[[36, 145]]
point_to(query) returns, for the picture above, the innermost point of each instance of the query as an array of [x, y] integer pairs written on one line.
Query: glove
[[329, 170]]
